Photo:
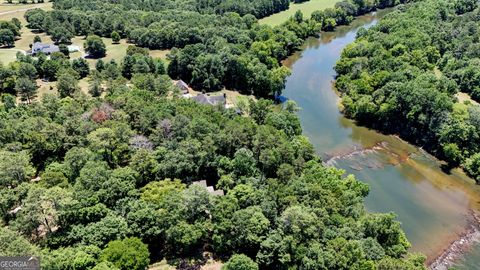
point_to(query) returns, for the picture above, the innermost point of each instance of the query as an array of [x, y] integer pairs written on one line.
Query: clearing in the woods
[[306, 7]]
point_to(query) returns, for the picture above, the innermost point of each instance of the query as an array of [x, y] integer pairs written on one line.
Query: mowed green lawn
[[306, 7], [114, 51], [7, 56], [5, 7]]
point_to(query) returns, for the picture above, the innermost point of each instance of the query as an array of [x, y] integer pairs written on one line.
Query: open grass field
[[10, 11], [160, 54], [114, 51], [51, 87], [5, 7], [7, 56], [306, 7]]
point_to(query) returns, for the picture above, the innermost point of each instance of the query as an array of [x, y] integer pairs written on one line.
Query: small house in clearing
[[47, 49], [183, 86], [211, 100], [210, 189]]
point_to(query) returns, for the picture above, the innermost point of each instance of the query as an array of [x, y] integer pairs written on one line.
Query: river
[[435, 208]]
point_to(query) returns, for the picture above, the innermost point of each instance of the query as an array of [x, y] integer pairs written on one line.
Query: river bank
[[431, 204], [460, 246]]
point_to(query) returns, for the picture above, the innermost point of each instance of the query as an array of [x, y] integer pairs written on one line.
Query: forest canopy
[[86, 178], [132, 173], [214, 43]]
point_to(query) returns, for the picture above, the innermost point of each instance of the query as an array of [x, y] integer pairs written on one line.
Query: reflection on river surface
[[433, 206]]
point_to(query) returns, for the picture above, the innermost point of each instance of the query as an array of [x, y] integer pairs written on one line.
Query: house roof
[[210, 189], [210, 100], [202, 183], [38, 47], [182, 85], [217, 99], [201, 99]]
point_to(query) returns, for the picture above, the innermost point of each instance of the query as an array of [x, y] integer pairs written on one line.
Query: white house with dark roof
[[47, 49]]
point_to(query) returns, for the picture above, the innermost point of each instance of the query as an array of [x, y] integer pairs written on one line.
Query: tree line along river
[[435, 208]]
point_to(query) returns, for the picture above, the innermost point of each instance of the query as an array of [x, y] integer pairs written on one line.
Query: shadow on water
[[432, 205]]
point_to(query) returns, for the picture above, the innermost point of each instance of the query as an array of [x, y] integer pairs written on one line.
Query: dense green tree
[[105, 187], [75, 159], [126, 254], [100, 65], [26, 88], [240, 262], [17, 23], [54, 175], [244, 232], [185, 238], [204, 56], [67, 83], [145, 220], [61, 35], [115, 37], [81, 257], [95, 88], [64, 49], [12, 244], [91, 178], [81, 66], [120, 184], [259, 110], [95, 47], [100, 233], [8, 101], [15, 168], [159, 191], [472, 165], [110, 143], [111, 70], [160, 85], [14, 26], [40, 211], [7, 38], [35, 18], [27, 70], [50, 68], [243, 163], [463, 6]]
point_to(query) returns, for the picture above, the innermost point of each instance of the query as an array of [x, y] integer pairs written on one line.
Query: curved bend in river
[[435, 208]]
